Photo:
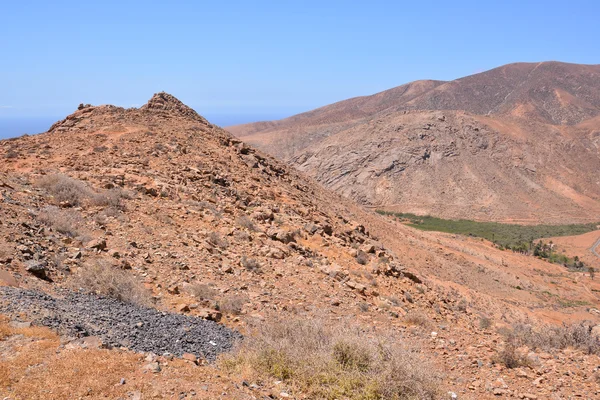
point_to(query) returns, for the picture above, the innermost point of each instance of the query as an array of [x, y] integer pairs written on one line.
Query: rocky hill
[[519, 142], [149, 240]]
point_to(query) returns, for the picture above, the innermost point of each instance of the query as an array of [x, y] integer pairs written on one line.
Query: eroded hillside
[[516, 143], [210, 228]]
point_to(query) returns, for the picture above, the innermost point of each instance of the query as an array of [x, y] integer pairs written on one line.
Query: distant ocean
[[11, 127]]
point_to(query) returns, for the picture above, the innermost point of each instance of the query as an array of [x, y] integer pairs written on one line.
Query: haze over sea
[[11, 127]]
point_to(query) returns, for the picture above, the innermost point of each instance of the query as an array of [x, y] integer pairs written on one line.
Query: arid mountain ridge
[[516, 143], [216, 229]]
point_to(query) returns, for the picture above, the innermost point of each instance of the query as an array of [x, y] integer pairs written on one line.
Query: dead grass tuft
[[324, 361], [245, 222], [100, 277], [217, 240], [67, 190], [68, 222], [250, 264], [202, 291], [547, 337], [510, 357], [417, 319], [232, 305]]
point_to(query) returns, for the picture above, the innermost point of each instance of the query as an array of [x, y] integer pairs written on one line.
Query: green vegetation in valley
[[518, 238]]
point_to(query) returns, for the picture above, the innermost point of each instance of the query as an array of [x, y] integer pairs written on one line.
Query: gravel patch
[[120, 324]]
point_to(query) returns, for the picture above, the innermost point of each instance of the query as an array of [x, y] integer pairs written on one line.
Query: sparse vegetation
[[73, 192], [556, 337], [217, 240], [510, 357], [11, 154], [65, 189], [245, 222], [68, 222], [362, 258], [485, 322], [202, 291], [250, 264], [232, 304], [325, 361], [417, 319], [100, 277]]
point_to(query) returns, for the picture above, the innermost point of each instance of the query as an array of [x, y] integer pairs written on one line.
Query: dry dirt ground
[[215, 229]]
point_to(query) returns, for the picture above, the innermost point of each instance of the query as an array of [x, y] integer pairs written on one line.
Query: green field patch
[[524, 239]]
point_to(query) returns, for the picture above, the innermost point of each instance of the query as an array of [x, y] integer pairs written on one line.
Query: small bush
[[362, 258], [394, 300], [100, 277], [318, 360], [485, 322], [233, 305], [202, 291], [245, 222], [577, 336], [11, 154], [250, 264], [107, 198], [68, 222], [417, 318], [217, 240], [65, 189], [510, 358]]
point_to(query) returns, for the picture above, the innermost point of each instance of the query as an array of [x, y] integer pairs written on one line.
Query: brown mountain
[[157, 200], [519, 142]]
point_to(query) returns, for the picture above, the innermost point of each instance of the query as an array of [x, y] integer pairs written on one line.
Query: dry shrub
[[485, 322], [202, 291], [417, 319], [10, 154], [65, 189], [233, 305], [510, 357], [393, 300], [250, 264], [333, 361], [100, 277], [548, 337], [362, 258], [68, 222], [245, 222], [107, 198], [217, 240]]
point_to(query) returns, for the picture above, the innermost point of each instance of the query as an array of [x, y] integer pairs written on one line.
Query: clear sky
[[249, 60]]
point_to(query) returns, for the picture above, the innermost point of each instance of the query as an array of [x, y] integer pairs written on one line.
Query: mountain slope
[[215, 229], [519, 142]]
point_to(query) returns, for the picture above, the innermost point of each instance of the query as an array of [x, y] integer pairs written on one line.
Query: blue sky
[[249, 60]]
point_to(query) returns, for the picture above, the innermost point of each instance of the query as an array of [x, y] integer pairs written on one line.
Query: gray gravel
[[120, 324]]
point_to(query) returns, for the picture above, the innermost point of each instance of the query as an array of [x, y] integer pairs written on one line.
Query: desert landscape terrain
[[150, 254], [517, 143]]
